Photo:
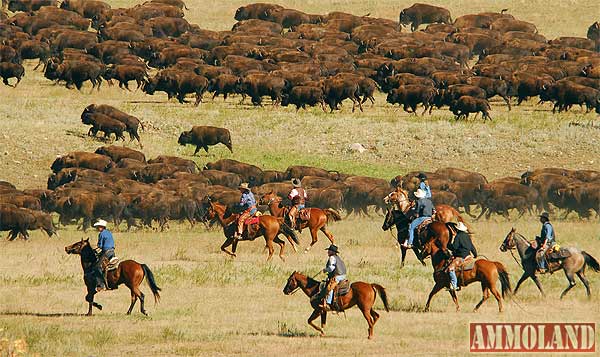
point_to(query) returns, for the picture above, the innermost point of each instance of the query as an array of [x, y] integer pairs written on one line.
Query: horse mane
[[310, 282], [519, 235], [88, 254]]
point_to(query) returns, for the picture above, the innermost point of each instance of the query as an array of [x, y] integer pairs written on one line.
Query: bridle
[[505, 245]]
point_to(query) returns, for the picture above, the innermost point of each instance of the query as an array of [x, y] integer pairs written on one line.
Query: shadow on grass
[[39, 314]]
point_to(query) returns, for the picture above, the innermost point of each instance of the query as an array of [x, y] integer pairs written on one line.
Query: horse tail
[[151, 282], [504, 279], [381, 290], [289, 232], [591, 261], [331, 213]]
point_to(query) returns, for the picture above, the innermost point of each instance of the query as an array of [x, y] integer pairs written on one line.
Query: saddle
[[421, 227], [108, 266], [304, 214], [557, 253], [340, 290]]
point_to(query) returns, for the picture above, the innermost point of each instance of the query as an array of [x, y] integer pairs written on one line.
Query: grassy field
[[213, 305]]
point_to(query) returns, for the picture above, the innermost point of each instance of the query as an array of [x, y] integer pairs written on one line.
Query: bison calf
[[467, 104], [205, 136], [104, 123]]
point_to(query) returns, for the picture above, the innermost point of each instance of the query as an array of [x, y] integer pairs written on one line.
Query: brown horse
[[269, 227], [129, 272], [399, 198], [485, 271], [361, 294], [317, 222]]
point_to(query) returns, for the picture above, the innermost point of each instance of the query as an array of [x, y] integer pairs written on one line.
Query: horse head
[[509, 241], [292, 284], [77, 247], [268, 198]]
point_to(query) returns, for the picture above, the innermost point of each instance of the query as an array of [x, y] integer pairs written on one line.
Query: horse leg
[[133, 301], [312, 318], [486, 294], [142, 309], [585, 282], [227, 243], [403, 250], [367, 314], [327, 234], [281, 244], [498, 297], [455, 299], [521, 280], [323, 318], [269, 243], [572, 283], [436, 288], [375, 316], [313, 235], [538, 284]]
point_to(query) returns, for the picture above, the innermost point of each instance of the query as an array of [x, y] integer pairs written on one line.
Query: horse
[[399, 217], [573, 265], [485, 271], [269, 227], [360, 294], [317, 222], [128, 272]]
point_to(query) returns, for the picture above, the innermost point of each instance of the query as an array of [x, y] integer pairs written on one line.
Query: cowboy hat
[[462, 227], [100, 223], [332, 248], [296, 182], [422, 176], [244, 186], [545, 215], [420, 193]]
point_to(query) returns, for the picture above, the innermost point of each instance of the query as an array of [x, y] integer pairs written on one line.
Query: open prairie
[[214, 305]]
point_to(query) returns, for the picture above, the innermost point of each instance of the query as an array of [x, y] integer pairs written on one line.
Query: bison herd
[[301, 59], [120, 184]]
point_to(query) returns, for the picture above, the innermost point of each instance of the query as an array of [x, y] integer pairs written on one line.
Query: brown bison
[[131, 123], [467, 104], [11, 70], [82, 159], [205, 136], [103, 123], [419, 14]]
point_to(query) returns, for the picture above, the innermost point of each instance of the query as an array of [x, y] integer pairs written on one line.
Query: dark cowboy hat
[[296, 182], [545, 215], [333, 248], [422, 176]]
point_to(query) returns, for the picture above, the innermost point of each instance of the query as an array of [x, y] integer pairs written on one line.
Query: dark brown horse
[[129, 272], [269, 227], [485, 271], [361, 294], [317, 222]]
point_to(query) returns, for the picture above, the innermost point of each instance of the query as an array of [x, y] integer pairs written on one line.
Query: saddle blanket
[[252, 220], [342, 288], [561, 253]]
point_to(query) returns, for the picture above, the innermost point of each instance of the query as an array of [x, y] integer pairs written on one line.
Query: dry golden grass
[[216, 306]]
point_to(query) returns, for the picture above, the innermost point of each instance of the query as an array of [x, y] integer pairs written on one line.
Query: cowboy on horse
[[336, 273], [424, 211], [298, 197], [545, 241], [248, 207], [106, 247], [463, 251]]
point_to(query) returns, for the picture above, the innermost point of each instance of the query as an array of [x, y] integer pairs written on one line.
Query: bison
[[205, 136], [419, 14]]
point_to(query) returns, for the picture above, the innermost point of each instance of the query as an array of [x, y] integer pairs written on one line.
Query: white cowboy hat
[[244, 186], [420, 193], [101, 223], [462, 227]]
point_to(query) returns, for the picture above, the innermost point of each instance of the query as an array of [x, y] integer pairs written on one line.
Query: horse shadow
[[39, 314]]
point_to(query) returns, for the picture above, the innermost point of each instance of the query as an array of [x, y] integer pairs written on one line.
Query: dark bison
[[301, 96], [116, 153], [419, 14], [11, 70], [467, 104], [104, 123], [411, 95], [205, 136], [132, 123]]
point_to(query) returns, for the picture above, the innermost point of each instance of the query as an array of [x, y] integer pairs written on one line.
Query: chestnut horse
[[361, 294], [129, 272], [318, 217], [485, 271], [269, 227]]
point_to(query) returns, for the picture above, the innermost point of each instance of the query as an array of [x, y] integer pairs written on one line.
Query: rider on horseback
[[106, 246], [424, 210], [336, 272], [248, 206], [298, 197], [545, 241], [462, 249], [423, 184]]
